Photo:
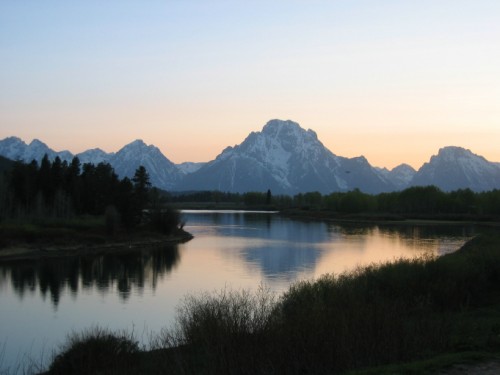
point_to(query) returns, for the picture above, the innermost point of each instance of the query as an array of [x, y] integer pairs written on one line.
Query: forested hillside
[[61, 190]]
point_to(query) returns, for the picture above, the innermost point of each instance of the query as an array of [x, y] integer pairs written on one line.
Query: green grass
[[408, 316]]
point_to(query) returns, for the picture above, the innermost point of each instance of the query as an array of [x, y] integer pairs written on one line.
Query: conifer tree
[[44, 180], [142, 185]]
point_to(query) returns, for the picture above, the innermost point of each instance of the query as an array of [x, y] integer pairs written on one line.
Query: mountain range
[[282, 157]]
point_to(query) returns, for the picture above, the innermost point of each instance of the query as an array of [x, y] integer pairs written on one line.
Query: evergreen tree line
[[60, 189], [417, 200]]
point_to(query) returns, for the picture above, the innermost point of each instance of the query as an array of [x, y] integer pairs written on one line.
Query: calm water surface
[[42, 301]]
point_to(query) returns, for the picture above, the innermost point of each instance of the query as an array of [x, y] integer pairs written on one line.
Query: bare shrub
[[96, 350]]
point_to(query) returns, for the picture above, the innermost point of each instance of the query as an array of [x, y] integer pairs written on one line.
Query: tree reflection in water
[[126, 270]]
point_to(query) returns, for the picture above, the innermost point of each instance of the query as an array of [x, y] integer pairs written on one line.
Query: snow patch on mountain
[[189, 167], [282, 157], [163, 173], [287, 159], [399, 176], [13, 148], [16, 149], [94, 156], [458, 168]]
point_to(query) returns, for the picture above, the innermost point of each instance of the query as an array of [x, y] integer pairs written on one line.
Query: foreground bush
[[356, 320], [217, 333], [96, 351]]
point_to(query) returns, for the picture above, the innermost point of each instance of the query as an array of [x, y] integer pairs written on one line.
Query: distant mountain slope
[[94, 156], [15, 149], [282, 157], [457, 168], [287, 159], [163, 173], [399, 176], [189, 167]]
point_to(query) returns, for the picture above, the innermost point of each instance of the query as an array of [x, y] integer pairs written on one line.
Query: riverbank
[[22, 241], [388, 218], [409, 316], [26, 251], [333, 216]]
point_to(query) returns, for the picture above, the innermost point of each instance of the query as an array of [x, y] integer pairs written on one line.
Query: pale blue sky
[[392, 80]]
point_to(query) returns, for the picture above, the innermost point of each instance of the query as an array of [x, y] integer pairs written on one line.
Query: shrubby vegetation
[[96, 351], [402, 311]]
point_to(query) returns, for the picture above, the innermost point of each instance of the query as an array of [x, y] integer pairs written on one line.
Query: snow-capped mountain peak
[[36, 143], [134, 146], [458, 168], [454, 153], [287, 159], [163, 173], [37, 148], [282, 157], [16, 149], [189, 167], [13, 148], [94, 156], [400, 176]]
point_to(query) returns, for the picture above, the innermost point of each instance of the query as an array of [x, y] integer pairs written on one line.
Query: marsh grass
[[25, 364], [228, 329], [403, 311]]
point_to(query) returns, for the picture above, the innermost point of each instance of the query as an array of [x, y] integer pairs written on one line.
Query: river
[[42, 301]]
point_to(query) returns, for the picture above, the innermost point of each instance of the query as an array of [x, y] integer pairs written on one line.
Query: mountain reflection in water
[[282, 250], [43, 300], [124, 270]]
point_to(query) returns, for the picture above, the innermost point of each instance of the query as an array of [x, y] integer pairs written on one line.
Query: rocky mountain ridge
[[287, 159], [282, 157]]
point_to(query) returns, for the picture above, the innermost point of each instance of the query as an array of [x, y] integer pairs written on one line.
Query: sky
[[391, 80]]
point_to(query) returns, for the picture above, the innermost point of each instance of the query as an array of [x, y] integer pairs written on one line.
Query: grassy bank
[[408, 316], [79, 235]]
